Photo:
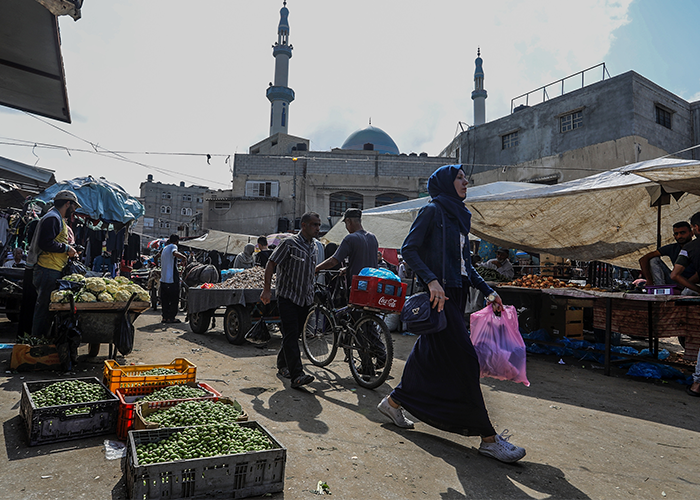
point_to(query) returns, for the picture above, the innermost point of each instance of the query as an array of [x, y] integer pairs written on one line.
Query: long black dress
[[440, 382]]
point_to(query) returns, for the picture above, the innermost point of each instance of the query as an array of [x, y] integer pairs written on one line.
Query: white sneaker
[[396, 415], [502, 450]]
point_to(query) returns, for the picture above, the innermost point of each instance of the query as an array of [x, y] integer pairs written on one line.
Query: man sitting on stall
[[655, 271], [501, 264], [17, 259], [48, 255]]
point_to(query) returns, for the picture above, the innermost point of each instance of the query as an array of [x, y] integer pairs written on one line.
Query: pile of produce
[[195, 413], [536, 281], [490, 274], [203, 441], [96, 289], [69, 392], [176, 392], [154, 371], [250, 278]]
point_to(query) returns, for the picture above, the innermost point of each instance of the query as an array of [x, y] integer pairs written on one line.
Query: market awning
[[100, 199], [222, 242], [391, 223], [606, 216]]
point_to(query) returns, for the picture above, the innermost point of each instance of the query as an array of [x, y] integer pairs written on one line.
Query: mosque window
[[509, 140], [571, 121], [186, 211], [340, 202], [284, 116], [388, 199], [164, 209], [663, 116]]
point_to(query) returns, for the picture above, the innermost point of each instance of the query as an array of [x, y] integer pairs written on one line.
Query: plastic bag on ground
[[499, 345], [258, 334]]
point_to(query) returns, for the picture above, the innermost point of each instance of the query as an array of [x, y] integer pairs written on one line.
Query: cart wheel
[[94, 350], [237, 322], [199, 322]]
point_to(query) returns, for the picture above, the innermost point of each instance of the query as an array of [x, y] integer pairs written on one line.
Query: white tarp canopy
[[391, 223], [224, 243], [604, 217]]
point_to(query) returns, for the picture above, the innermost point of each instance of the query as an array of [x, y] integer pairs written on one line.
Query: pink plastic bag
[[499, 345]]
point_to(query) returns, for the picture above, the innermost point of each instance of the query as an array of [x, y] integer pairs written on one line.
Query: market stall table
[[666, 315]]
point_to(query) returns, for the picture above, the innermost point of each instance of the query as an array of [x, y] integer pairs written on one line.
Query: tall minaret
[[479, 94], [279, 94]]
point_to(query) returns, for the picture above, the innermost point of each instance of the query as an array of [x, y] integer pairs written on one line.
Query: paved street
[[586, 435]]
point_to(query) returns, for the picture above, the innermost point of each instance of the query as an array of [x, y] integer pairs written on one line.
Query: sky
[[180, 80]]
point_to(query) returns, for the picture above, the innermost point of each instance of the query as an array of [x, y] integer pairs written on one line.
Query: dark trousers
[[26, 312], [293, 318], [169, 297], [45, 282]]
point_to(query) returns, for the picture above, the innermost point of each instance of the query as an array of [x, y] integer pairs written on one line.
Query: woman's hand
[[437, 295], [497, 304]]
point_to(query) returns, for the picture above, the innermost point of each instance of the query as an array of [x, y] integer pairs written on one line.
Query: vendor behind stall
[[48, 255], [689, 256], [655, 270], [501, 264], [17, 259]]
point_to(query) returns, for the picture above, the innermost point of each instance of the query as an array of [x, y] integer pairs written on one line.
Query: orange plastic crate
[[129, 396], [115, 376]]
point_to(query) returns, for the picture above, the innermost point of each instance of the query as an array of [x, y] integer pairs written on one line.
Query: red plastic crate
[[129, 396], [377, 293]]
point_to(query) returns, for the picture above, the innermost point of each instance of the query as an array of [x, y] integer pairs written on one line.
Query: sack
[[259, 334], [73, 286], [420, 317], [498, 344], [68, 338], [379, 272], [124, 338], [74, 267]]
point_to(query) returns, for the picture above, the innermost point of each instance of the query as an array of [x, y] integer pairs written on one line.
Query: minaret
[[479, 94], [279, 94]]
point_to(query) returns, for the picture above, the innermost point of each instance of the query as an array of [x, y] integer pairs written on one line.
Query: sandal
[[302, 380], [284, 372], [692, 392]]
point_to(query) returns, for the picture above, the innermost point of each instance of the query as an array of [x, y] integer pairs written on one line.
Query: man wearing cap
[[501, 264], [359, 247], [49, 252]]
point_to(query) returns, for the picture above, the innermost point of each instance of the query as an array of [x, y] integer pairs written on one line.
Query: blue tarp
[[100, 199]]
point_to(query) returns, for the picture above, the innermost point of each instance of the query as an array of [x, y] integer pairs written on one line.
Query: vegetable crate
[[129, 396], [52, 424], [146, 408], [115, 376], [228, 476], [377, 293]]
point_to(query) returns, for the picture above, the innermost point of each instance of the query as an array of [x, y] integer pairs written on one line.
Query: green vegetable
[[195, 413], [69, 392], [176, 392], [154, 371], [203, 441]]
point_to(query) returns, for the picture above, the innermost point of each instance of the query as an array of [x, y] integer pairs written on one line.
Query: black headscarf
[[442, 190]]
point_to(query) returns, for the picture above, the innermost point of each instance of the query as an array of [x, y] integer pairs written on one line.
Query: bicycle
[[360, 332]]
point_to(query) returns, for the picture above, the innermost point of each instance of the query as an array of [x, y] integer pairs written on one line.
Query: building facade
[[170, 209], [598, 127]]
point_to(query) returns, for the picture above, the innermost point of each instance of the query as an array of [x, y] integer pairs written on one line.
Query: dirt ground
[[586, 435]]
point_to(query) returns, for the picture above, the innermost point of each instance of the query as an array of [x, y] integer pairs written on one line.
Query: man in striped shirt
[[295, 262]]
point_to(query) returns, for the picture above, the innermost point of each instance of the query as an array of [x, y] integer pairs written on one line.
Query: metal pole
[[658, 227], [608, 333], [294, 195]]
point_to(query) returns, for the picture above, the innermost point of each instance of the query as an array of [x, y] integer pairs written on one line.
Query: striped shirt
[[296, 263]]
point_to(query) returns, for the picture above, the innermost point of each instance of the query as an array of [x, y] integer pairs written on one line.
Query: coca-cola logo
[[383, 301]]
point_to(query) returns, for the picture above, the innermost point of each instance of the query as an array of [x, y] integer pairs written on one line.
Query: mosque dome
[[381, 141]]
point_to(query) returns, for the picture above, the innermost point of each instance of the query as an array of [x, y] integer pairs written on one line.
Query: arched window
[[340, 202], [388, 199]]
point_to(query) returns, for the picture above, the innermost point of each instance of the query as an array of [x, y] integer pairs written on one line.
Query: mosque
[[279, 178]]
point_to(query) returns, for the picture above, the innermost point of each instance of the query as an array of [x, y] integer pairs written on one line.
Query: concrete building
[[280, 179], [170, 209], [607, 124]]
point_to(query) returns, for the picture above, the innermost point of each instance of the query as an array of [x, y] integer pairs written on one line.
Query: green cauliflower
[[105, 297], [122, 296], [95, 285], [78, 278], [60, 296], [123, 280], [112, 289], [86, 297]]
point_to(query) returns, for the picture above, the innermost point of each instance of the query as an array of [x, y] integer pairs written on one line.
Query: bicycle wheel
[[372, 352], [319, 339]]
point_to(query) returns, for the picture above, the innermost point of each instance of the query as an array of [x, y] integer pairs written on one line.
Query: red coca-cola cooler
[[377, 293]]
